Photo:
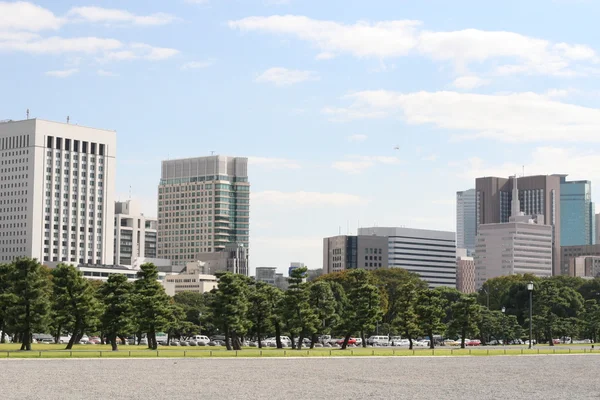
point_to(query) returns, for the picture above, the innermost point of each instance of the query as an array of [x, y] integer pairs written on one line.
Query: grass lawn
[[104, 351]]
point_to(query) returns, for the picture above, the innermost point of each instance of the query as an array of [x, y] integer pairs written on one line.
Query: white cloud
[[469, 82], [57, 45], [110, 15], [357, 138], [513, 117], [358, 164], [102, 72], [153, 53], [62, 73], [197, 64], [306, 199], [273, 163], [387, 39], [24, 16], [286, 77]]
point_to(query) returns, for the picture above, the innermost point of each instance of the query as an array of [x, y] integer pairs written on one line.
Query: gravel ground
[[448, 378]]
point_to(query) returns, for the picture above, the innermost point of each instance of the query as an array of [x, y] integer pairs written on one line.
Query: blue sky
[[318, 94]]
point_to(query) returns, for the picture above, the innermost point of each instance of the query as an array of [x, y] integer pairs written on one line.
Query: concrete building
[[102, 272], [521, 246], [233, 258], [281, 281], [266, 274], [135, 234], [295, 265], [56, 192], [465, 271], [192, 279], [203, 205], [538, 195], [465, 220], [352, 252], [577, 213], [597, 226], [431, 254], [585, 267], [569, 253]]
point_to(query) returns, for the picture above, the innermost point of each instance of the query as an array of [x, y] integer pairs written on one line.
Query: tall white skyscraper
[[466, 225], [203, 206], [56, 192]]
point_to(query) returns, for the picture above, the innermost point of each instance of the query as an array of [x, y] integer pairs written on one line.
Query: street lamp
[[503, 326], [530, 289]]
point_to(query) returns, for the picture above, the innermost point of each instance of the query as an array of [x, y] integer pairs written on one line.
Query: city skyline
[[318, 100]]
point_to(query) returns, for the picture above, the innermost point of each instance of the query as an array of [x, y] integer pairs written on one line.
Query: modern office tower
[[577, 214], [597, 227], [233, 258], [135, 234], [523, 245], [354, 252], [538, 195], [203, 205], [266, 274], [431, 254], [56, 192], [465, 271], [569, 253], [465, 220]]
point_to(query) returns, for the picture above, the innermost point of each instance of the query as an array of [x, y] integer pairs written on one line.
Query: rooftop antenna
[[348, 227], [68, 119], [28, 113], [129, 192], [212, 153], [340, 230], [523, 171]]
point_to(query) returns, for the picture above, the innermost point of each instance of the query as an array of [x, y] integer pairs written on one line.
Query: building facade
[[233, 258], [585, 267], [538, 195], [203, 205], [56, 192], [295, 265], [465, 274], [266, 274], [192, 279], [354, 252], [466, 220], [577, 213], [569, 253], [430, 254], [135, 234]]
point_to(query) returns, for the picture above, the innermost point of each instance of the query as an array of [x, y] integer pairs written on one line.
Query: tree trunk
[[301, 340], [293, 339], [227, 339], [56, 335], [313, 340], [362, 338], [258, 333], [410, 341], [278, 335], [462, 339], [345, 344], [431, 342], [113, 341], [235, 342], [102, 341], [152, 340], [74, 335]]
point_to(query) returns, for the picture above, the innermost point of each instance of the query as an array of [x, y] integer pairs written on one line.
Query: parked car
[[451, 342], [395, 340], [358, 341], [46, 341], [350, 341], [422, 343], [378, 341], [495, 342], [474, 342], [200, 338]]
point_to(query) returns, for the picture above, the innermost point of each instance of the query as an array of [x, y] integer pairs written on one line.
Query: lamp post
[[503, 326], [530, 289], [200, 322]]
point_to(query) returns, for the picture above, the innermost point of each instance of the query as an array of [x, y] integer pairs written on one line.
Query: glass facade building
[[578, 223], [466, 224]]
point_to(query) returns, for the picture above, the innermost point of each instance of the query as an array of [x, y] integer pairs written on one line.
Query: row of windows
[[14, 142], [59, 143]]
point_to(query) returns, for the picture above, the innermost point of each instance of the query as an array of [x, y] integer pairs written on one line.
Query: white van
[[378, 341], [200, 338]]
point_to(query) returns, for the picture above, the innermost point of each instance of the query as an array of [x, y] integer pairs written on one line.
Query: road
[[500, 377]]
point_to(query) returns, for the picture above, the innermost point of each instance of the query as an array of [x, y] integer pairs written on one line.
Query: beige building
[[585, 267], [569, 253], [193, 279], [266, 274], [135, 234], [233, 258], [521, 246], [352, 252], [465, 274]]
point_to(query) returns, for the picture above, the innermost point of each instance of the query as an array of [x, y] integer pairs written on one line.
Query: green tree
[[230, 308], [194, 306], [5, 289], [28, 299], [151, 304], [406, 320], [117, 295], [74, 302], [300, 318], [261, 308], [591, 320], [467, 316], [430, 313], [322, 300]]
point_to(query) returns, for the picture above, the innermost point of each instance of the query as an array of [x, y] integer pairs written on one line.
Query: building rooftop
[[10, 121]]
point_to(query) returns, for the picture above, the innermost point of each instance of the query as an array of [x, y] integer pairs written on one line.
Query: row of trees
[[392, 302]]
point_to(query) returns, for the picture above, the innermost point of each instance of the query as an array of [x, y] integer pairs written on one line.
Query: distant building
[[351, 252], [465, 272], [295, 265], [102, 272], [577, 213], [430, 254], [233, 258], [313, 274], [538, 195], [597, 225], [281, 281], [521, 246], [465, 220], [192, 279], [568, 253], [135, 234], [585, 267], [266, 274]]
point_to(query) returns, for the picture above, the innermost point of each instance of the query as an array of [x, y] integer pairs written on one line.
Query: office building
[[521, 246], [597, 227], [465, 272], [295, 265], [233, 258], [266, 274], [577, 213], [352, 252], [431, 254], [56, 192], [192, 279], [281, 282], [585, 267], [538, 195], [135, 234], [203, 205], [465, 220], [568, 253]]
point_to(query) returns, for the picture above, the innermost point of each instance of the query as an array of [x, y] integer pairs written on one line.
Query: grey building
[[233, 258], [266, 274], [431, 254], [135, 234], [203, 205], [352, 252], [538, 195], [569, 253], [465, 220]]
